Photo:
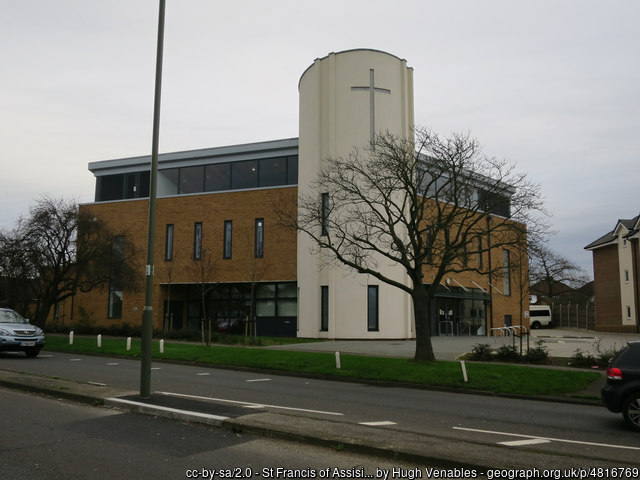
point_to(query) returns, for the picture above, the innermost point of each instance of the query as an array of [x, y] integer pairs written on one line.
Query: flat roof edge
[[222, 151]]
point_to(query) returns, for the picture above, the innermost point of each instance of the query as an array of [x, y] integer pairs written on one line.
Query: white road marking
[[378, 424], [98, 384], [258, 380], [112, 364], [75, 359], [166, 409], [530, 441], [203, 374], [45, 356], [550, 439], [156, 368], [251, 404]]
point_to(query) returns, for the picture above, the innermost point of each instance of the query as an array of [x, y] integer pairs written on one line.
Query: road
[[47, 439], [577, 430]]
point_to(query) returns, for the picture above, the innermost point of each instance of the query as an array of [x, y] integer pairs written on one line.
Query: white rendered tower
[[345, 99]]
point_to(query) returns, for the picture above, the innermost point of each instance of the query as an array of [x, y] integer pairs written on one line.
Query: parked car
[[539, 316], [622, 391], [18, 335]]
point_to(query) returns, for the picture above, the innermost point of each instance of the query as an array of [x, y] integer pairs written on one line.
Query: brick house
[[616, 271]]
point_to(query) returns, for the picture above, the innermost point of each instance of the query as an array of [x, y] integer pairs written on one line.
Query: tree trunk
[[422, 317]]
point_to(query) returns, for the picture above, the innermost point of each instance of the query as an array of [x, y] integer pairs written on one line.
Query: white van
[[539, 316]]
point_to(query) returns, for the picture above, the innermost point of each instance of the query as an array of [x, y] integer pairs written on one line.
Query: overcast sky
[[553, 86]]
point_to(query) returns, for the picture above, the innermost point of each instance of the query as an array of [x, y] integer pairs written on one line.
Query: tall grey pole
[[147, 314]]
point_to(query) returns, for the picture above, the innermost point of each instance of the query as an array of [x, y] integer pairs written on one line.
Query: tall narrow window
[[325, 214], [479, 252], [428, 246], [168, 243], [372, 308], [259, 240], [197, 241], [324, 308], [115, 302], [228, 231], [506, 272]]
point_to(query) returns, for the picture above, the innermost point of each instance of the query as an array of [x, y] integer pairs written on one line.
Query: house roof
[[631, 225]]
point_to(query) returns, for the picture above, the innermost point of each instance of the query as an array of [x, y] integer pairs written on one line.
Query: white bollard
[[71, 337], [464, 371], [99, 341], [161, 346], [128, 343], [338, 360]]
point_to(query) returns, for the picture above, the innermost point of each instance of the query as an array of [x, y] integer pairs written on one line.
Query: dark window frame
[[197, 240], [227, 240], [324, 220], [259, 238], [168, 242], [373, 314], [324, 308]]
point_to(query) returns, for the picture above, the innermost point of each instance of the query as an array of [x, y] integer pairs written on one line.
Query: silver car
[[18, 335]]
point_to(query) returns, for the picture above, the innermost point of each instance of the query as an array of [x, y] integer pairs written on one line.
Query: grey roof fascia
[[247, 151]]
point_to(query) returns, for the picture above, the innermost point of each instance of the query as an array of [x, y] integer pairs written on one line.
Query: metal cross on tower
[[372, 89]]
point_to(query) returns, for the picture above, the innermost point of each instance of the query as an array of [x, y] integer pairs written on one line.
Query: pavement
[[407, 446]]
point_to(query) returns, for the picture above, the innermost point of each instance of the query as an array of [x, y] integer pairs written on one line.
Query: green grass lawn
[[496, 378]]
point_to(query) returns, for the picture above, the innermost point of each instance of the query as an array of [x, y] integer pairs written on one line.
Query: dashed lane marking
[[549, 439], [258, 380], [75, 359], [251, 404], [520, 443], [384, 423], [203, 374], [111, 364]]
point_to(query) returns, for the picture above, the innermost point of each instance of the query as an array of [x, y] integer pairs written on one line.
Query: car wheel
[[535, 325], [631, 411], [32, 352]]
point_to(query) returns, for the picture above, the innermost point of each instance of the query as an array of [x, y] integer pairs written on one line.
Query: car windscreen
[[8, 316]]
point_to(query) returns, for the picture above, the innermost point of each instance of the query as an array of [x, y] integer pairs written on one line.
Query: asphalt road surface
[[579, 430], [48, 439]]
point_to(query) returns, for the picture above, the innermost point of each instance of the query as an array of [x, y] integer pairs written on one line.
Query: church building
[[218, 236]]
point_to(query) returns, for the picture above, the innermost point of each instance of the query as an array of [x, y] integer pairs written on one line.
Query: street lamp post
[[147, 314]]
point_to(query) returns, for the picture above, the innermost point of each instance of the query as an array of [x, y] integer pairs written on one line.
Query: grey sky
[[552, 85]]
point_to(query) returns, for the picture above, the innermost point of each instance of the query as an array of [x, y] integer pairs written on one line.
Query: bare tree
[[418, 205], [551, 271], [65, 251], [203, 271]]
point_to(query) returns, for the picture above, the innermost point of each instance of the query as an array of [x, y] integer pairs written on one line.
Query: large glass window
[[227, 241], [259, 238], [287, 300], [191, 179], [292, 170], [217, 177], [109, 187], [372, 308], [266, 300], [244, 174], [197, 241], [168, 181], [273, 171], [324, 308]]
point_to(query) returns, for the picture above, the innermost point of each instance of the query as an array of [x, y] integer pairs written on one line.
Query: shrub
[[482, 352], [508, 353], [537, 354], [581, 359]]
